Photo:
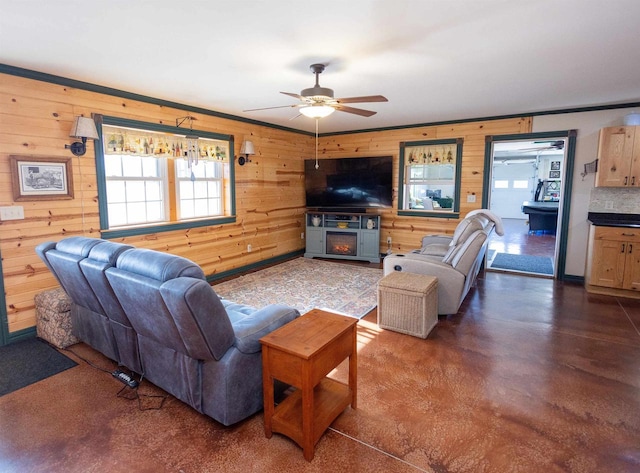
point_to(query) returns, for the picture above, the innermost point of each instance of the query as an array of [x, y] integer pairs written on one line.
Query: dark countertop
[[551, 207], [604, 219]]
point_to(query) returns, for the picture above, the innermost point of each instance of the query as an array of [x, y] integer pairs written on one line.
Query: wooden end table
[[301, 353]]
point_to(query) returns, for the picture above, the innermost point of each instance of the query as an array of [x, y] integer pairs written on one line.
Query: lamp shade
[[317, 111], [84, 127], [247, 148]]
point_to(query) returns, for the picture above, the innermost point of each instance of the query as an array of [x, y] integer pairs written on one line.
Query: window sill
[[428, 213], [165, 227]]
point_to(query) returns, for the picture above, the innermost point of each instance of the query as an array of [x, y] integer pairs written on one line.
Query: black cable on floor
[[136, 395], [133, 394], [87, 361]]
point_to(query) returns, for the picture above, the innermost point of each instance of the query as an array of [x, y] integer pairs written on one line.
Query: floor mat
[[525, 263], [29, 361]]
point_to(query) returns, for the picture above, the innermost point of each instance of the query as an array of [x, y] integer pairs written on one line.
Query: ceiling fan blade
[[295, 96], [269, 108], [356, 111], [365, 98]]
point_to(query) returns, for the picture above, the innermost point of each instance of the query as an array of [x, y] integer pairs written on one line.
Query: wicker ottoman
[[53, 321], [408, 303]]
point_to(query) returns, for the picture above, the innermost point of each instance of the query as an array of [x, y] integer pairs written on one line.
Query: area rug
[[525, 263], [29, 361], [306, 284]]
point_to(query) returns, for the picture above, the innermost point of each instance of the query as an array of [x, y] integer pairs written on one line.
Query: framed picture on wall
[[41, 178], [554, 174], [555, 165]]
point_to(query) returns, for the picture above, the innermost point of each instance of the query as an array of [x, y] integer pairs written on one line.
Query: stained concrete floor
[[532, 375]]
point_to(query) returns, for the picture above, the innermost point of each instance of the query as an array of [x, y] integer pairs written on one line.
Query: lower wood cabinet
[[615, 260]]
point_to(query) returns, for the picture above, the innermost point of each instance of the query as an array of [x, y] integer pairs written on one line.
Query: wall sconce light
[[82, 128], [246, 149]]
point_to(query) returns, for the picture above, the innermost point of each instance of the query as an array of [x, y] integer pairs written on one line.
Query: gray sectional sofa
[[155, 314]]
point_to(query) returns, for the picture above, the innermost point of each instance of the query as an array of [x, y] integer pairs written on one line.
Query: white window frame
[[207, 189], [127, 204]]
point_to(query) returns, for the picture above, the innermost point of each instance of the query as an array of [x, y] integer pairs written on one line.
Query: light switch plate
[[471, 198], [13, 212]]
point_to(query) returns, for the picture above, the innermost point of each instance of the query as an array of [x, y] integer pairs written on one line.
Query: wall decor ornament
[[41, 178]]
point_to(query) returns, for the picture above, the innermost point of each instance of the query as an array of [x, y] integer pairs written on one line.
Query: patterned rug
[[306, 284]]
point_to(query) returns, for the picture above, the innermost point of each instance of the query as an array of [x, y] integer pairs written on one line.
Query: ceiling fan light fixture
[[317, 91], [317, 111]]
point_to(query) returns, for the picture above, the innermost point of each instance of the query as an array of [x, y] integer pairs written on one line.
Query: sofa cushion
[[435, 249], [198, 315], [464, 229], [468, 252], [157, 265]]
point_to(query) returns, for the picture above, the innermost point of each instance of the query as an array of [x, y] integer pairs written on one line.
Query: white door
[[512, 184]]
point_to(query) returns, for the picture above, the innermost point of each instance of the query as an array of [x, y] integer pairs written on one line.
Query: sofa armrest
[[451, 282], [434, 245], [250, 325], [422, 264]]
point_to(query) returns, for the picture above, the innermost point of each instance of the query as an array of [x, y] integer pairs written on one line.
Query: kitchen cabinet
[[619, 157], [615, 259]]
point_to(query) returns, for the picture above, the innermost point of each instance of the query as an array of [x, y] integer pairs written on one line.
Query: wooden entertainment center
[[354, 236]]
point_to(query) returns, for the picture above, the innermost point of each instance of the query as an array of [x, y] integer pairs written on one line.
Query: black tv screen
[[349, 183]]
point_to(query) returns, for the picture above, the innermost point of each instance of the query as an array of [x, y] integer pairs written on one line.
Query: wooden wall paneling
[[407, 232], [35, 119]]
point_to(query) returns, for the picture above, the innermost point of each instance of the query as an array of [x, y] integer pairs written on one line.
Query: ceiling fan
[[545, 146], [318, 102]]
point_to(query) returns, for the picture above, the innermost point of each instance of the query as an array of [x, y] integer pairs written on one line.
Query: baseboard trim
[[253, 266], [572, 278], [608, 291]]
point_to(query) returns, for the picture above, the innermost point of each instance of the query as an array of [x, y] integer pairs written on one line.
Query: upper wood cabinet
[[619, 157]]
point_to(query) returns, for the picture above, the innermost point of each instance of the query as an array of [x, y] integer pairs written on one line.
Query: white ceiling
[[435, 60]]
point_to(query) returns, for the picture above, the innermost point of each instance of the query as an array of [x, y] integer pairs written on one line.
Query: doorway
[[526, 186]]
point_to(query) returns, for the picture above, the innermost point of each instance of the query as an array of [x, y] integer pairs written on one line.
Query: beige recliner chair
[[455, 260]]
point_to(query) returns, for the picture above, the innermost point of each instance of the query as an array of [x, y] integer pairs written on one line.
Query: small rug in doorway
[[29, 361], [524, 263], [306, 284]]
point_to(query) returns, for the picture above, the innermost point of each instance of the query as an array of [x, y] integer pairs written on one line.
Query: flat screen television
[[349, 184]]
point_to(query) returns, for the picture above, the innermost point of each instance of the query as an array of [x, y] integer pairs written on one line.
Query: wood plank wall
[[35, 118], [406, 232]]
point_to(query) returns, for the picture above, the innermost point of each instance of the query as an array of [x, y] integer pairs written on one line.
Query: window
[[199, 189], [147, 180], [136, 191], [430, 178]]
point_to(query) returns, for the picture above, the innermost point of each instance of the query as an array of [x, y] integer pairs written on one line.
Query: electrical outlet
[[389, 240], [302, 236], [471, 198], [249, 248], [13, 212]]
